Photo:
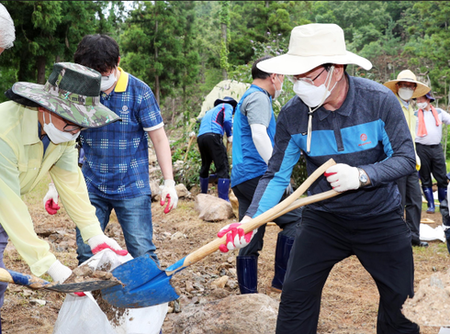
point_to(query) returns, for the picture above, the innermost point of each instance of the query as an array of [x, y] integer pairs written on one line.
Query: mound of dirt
[[431, 303]]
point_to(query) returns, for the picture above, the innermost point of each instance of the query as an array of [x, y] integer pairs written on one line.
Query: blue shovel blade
[[144, 284]]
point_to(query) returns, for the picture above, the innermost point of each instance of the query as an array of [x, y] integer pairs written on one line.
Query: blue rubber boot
[[247, 274], [282, 252], [442, 194], [204, 185], [223, 187], [428, 192]]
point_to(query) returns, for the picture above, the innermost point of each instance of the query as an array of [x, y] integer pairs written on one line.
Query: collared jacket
[[368, 131], [23, 165]]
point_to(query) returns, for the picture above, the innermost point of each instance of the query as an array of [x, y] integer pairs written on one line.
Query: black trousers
[[383, 246], [432, 162], [288, 222], [409, 188], [211, 149]]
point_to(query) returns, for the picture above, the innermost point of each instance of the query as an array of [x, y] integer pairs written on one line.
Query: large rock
[[249, 313], [212, 209]]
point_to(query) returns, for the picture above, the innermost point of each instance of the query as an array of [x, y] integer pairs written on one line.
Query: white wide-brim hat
[[310, 46], [408, 76]]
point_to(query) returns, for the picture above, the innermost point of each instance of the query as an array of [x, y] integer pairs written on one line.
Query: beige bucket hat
[[408, 76], [312, 45]]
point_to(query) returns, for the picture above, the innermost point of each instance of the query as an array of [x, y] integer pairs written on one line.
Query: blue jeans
[[135, 218]]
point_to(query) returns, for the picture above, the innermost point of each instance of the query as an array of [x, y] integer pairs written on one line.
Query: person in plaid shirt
[[116, 160]]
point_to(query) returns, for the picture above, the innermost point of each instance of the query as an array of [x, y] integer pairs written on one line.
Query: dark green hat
[[72, 91]]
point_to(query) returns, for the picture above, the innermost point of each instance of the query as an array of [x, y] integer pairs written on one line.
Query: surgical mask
[[108, 81], [278, 92], [311, 95], [58, 136], [405, 93], [422, 105]]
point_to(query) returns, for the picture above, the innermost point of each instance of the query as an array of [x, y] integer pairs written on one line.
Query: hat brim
[[420, 90], [86, 116], [290, 64], [232, 102]]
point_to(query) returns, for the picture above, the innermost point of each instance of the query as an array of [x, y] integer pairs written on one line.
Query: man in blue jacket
[[359, 123], [210, 143]]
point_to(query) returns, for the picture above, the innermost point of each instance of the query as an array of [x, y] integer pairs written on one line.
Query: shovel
[[37, 283], [145, 284]]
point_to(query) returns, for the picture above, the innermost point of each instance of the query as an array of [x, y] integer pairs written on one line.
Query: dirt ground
[[350, 297]]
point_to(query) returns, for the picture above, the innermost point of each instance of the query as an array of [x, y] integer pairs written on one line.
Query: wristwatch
[[363, 178]]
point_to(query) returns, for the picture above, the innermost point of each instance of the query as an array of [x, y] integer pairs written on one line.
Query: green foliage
[[186, 172]]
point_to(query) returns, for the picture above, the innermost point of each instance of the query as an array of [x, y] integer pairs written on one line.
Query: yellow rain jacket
[[22, 166]]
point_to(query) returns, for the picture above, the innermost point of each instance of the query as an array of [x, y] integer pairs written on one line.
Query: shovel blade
[[144, 284]]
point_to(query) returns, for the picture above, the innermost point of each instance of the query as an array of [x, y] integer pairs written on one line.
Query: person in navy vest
[[254, 132], [210, 144]]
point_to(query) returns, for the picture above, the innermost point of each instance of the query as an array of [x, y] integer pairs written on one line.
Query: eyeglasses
[[293, 79], [72, 127], [407, 85]]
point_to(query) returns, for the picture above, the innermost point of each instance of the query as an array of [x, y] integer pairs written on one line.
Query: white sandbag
[[427, 233], [83, 315]]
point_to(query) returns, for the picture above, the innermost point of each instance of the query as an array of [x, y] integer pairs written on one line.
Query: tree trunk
[[40, 66], [224, 39], [156, 59]]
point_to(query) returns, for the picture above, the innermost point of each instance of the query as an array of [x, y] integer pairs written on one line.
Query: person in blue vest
[[254, 132], [210, 144]]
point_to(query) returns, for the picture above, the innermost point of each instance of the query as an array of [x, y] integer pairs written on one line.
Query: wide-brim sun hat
[[430, 97], [226, 99], [72, 91], [310, 46], [408, 76]]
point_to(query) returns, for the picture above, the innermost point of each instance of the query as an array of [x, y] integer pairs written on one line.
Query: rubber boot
[[445, 221], [223, 187], [247, 274], [282, 251], [204, 185], [428, 192], [442, 194]]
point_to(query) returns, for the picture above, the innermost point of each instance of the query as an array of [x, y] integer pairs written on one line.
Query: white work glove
[[235, 236], [101, 242], [51, 200], [343, 177], [230, 139], [170, 193], [59, 272], [418, 163]]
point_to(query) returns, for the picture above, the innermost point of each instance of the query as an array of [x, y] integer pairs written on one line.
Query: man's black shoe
[[419, 243]]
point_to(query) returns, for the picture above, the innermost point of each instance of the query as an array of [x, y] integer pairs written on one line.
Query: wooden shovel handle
[[15, 277], [276, 211]]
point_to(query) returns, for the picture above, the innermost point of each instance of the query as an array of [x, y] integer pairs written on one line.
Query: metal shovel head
[[144, 284], [82, 286]]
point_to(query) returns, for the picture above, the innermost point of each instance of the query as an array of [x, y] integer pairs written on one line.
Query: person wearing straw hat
[[37, 136], [213, 125], [406, 87], [7, 30], [358, 123], [429, 148]]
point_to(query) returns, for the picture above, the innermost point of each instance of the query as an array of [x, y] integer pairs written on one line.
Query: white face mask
[[422, 105], [109, 81], [311, 95], [405, 93], [278, 92], [58, 136]]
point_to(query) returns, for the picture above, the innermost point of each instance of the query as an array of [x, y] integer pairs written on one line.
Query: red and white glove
[[170, 193], [101, 242], [51, 200], [343, 177], [235, 236]]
